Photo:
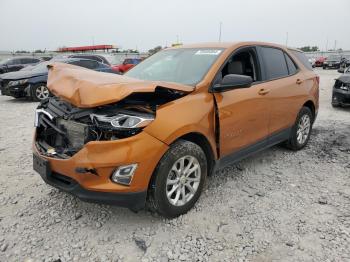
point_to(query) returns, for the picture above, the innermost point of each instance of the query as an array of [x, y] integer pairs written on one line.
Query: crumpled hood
[[345, 78], [86, 88]]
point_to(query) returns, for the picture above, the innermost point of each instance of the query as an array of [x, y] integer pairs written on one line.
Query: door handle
[[299, 81], [263, 91]]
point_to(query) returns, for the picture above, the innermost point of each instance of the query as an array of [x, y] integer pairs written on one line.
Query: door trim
[[263, 144]]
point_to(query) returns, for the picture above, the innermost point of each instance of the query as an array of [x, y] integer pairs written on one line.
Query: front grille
[[58, 135]]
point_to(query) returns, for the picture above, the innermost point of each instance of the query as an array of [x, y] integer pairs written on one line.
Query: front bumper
[[104, 157], [17, 91], [341, 97]]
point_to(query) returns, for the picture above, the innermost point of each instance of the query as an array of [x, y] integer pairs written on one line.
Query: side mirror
[[233, 81]]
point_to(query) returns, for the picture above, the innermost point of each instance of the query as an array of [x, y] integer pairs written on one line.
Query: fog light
[[123, 174]]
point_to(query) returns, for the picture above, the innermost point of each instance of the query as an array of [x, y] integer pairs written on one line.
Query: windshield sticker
[[208, 52]]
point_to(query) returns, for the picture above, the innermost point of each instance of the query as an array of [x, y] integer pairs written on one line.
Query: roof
[[225, 44]]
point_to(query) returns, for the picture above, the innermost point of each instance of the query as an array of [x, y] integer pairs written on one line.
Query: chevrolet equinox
[[154, 134]]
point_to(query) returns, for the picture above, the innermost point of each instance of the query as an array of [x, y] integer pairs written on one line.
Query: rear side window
[[275, 63], [291, 66], [86, 63], [302, 58]]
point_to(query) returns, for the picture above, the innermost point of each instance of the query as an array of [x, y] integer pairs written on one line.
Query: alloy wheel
[[41, 92], [303, 130], [183, 180]]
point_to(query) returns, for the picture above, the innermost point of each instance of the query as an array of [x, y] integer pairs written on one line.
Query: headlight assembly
[[121, 121], [18, 82], [345, 87]]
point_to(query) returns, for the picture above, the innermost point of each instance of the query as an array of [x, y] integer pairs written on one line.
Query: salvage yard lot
[[275, 205]]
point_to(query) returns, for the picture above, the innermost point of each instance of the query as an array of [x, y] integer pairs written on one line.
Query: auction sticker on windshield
[[208, 52]]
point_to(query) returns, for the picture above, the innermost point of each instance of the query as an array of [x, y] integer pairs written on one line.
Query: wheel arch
[[310, 104], [203, 142], [200, 140]]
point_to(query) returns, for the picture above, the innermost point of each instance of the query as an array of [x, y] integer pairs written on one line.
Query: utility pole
[[220, 26], [335, 44], [177, 39], [287, 39], [327, 45]]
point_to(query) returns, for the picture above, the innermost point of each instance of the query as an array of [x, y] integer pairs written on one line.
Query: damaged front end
[[63, 129]]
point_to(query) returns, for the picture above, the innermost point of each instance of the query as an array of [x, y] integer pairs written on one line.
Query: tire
[[304, 122], [39, 92], [169, 184]]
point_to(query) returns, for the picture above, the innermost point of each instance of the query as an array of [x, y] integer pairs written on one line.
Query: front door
[[243, 113]]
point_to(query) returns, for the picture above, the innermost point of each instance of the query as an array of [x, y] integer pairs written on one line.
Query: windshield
[[40, 68], [184, 65], [334, 57]]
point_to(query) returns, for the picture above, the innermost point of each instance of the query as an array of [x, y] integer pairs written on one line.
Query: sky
[[130, 24]]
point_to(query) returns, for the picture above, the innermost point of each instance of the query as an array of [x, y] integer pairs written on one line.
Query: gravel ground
[[277, 205]]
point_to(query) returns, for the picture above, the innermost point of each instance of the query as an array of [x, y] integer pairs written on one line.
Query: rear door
[[243, 113], [282, 80]]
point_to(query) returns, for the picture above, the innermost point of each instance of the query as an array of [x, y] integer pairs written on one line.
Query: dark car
[[341, 90], [98, 58], [335, 62], [32, 82], [15, 64]]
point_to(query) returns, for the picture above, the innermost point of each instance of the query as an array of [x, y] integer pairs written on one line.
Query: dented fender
[[192, 114]]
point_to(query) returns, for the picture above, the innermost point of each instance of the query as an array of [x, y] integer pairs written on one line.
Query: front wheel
[[40, 92], [178, 179], [301, 130]]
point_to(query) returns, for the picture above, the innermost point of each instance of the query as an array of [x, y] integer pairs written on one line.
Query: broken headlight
[[121, 121]]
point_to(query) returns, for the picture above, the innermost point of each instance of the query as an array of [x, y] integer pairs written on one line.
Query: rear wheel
[[178, 179], [40, 92], [301, 130]]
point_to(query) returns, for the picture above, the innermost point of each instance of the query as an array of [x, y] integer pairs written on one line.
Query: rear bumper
[[336, 66]]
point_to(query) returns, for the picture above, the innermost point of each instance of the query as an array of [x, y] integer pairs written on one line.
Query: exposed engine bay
[[63, 129]]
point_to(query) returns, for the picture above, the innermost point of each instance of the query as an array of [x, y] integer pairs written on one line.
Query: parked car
[[17, 63], [312, 62], [341, 90], [127, 64], [319, 61], [98, 58], [32, 82], [156, 132], [346, 61], [333, 61]]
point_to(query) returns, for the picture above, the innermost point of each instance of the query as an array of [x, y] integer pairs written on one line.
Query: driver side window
[[243, 62]]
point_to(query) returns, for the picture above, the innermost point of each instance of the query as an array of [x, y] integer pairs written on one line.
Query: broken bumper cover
[[104, 157], [133, 200]]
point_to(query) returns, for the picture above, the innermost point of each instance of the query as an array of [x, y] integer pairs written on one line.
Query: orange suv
[[154, 134]]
